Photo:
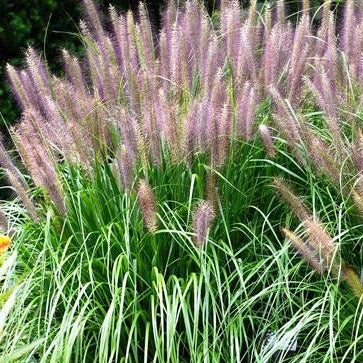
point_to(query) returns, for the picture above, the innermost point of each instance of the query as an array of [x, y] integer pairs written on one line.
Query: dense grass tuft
[[155, 225]]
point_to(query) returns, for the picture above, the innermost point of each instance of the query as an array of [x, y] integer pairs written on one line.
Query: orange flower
[[4, 243]]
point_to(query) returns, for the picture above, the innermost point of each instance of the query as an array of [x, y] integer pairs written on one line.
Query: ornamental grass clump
[[196, 87], [146, 173]]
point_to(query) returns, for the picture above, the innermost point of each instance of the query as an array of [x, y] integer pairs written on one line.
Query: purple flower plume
[[188, 89], [202, 221]]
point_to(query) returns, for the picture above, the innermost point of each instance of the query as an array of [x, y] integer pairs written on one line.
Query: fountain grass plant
[[147, 221]]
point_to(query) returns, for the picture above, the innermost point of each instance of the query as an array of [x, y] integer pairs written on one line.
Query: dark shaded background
[[49, 25]]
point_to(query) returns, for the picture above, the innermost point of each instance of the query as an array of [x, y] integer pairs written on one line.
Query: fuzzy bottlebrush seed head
[[321, 156], [291, 199], [350, 276], [357, 193], [321, 242], [18, 86], [308, 253], [202, 221], [306, 6], [146, 199], [267, 140], [317, 248], [74, 72], [281, 11], [17, 182], [93, 17], [126, 167], [247, 103]]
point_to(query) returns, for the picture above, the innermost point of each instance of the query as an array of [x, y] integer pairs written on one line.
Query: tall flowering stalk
[[267, 140], [125, 165], [202, 221], [18, 184], [288, 195], [308, 253], [146, 199]]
